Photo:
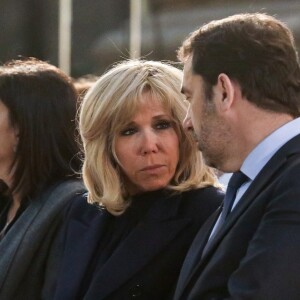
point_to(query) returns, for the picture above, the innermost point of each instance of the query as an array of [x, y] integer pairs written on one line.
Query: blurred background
[[87, 36]]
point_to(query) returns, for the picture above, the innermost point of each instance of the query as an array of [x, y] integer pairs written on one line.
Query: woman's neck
[[15, 205], [15, 197]]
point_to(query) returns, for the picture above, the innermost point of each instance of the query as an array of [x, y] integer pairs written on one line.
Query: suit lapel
[[139, 247], [260, 182], [195, 252], [82, 240]]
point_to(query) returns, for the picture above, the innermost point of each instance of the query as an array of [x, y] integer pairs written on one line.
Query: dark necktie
[[235, 182]]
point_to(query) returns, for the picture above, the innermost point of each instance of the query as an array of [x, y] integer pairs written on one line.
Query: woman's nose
[[149, 142]]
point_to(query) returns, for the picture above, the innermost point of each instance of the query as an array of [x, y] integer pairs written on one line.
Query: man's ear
[[225, 91]]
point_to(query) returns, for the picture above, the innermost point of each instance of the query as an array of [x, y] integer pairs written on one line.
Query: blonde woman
[[149, 190]]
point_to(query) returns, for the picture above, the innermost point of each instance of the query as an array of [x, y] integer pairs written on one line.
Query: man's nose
[[187, 122]]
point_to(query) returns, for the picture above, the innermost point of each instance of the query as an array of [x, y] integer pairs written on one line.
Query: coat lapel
[[11, 244], [257, 186], [82, 240], [139, 247], [195, 252], [27, 235]]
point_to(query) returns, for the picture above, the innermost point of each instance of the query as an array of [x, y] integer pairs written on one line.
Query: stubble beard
[[212, 141]]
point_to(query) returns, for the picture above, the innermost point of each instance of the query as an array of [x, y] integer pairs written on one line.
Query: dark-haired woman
[[38, 166]]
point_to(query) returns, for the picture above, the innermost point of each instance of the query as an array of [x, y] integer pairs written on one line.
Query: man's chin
[[199, 146], [207, 159]]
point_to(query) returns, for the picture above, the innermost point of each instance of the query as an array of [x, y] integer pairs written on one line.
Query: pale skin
[[8, 142], [231, 127], [148, 148]]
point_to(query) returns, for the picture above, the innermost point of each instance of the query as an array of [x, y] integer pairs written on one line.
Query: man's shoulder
[[290, 149], [284, 163]]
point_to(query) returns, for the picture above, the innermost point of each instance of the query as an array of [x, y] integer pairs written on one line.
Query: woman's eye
[[163, 125], [128, 131]]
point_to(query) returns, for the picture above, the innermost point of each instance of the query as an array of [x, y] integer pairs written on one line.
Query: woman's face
[[148, 148], [8, 141]]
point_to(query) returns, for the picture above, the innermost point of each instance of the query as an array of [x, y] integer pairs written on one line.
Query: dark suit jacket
[[146, 265], [256, 255], [26, 248]]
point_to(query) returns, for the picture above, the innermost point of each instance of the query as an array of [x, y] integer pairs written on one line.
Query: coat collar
[[84, 233]]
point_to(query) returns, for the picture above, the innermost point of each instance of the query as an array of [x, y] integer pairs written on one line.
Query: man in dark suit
[[242, 79]]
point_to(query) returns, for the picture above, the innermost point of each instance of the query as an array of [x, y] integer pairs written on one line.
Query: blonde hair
[[109, 105]]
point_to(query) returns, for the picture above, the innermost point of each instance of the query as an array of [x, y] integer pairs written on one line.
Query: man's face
[[211, 132]]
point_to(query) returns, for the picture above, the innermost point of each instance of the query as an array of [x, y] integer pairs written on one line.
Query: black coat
[[25, 250], [147, 263], [256, 255]]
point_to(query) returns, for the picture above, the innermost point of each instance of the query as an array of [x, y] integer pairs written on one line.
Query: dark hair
[[42, 105], [257, 51]]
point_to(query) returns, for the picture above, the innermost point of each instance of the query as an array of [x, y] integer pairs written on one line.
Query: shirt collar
[[264, 151]]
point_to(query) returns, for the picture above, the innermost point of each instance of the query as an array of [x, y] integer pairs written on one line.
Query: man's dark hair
[[255, 50]]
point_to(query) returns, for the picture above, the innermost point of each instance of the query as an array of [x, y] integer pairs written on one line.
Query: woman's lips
[[152, 168]]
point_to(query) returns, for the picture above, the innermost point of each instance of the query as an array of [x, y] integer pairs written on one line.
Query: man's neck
[[253, 126]]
